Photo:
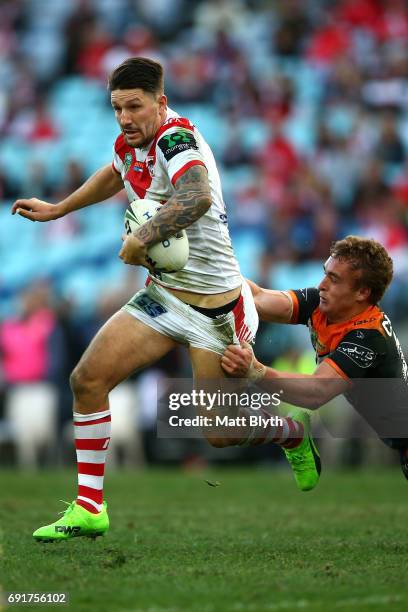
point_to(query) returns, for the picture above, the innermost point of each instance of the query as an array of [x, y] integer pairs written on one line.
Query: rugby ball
[[171, 254]]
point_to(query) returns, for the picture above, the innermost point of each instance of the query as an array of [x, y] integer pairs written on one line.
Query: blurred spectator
[[278, 157], [400, 188], [390, 148], [8, 189], [293, 28], [276, 99], [34, 124], [329, 42], [249, 206], [384, 222], [362, 14], [35, 180], [337, 166], [19, 78], [12, 15], [43, 127], [191, 78], [235, 151], [372, 190], [227, 15], [234, 87], [73, 179], [394, 22], [94, 46], [344, 82], [24, 339], [76, 29], [136, 40], [165, 18], [316, 216]]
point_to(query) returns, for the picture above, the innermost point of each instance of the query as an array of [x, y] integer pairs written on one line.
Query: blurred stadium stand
[[304, 103]]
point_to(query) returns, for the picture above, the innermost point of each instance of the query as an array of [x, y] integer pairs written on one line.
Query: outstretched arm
[[100, 186], [191, 200], [304, 390], [272, 306]]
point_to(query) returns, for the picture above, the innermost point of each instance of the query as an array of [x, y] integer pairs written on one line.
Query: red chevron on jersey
[[137, 173], [140, 174]]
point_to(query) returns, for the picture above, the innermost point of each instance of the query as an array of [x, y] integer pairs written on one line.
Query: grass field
[[252, 543]]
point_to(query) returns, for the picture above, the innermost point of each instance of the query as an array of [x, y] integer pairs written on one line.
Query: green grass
[[177, 544]]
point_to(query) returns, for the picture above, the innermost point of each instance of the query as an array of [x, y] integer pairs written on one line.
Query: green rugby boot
[[75, 522], [304, 459]]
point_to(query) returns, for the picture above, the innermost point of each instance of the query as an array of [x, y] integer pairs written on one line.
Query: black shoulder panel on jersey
[[359, 351], [308, 301], [177, 142]]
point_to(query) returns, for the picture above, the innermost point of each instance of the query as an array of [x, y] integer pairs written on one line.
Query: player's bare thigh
[[207, 366], [122, 346]]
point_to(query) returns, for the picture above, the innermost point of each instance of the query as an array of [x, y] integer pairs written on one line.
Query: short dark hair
[[371, 258], [138, 73]]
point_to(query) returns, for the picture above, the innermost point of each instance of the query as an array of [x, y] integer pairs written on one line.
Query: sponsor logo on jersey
[[127, 161], [138, 167], [360, 355], [177, 142], [364, 321]]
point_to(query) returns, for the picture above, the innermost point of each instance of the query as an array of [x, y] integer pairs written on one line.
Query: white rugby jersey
[[152, 172]]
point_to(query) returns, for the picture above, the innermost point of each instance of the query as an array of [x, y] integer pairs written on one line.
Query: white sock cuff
[[94, 416]]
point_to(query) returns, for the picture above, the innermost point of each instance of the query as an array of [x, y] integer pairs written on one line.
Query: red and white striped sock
[[288, 435], [92, 435]]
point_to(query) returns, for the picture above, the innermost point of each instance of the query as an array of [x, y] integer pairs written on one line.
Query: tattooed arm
[[191, 201]]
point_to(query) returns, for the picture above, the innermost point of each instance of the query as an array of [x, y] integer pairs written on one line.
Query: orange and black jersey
[[366, 350], [362, 347]]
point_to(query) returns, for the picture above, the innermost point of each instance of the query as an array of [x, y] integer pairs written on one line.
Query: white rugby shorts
[[164, 312]]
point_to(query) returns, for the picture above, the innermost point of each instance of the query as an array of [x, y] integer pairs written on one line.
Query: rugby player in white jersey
[[206, 306]]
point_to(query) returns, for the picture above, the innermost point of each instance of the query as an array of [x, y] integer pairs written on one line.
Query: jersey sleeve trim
[[115, 169], [295, 312], [334, 365], [175, 122], [187, 166]]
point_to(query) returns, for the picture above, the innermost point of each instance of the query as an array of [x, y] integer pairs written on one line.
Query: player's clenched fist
[[240, 362], [36, 210]]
